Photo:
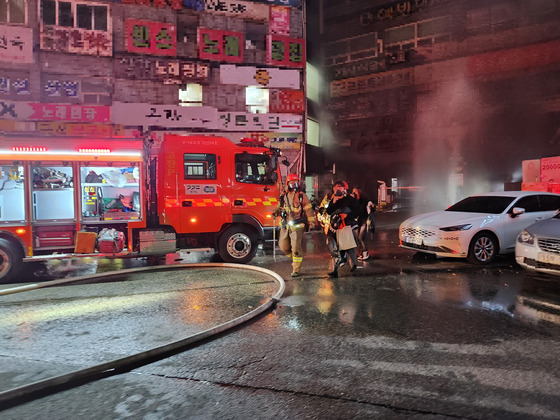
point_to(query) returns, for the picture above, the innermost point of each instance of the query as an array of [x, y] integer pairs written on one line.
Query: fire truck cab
[[187, 191]]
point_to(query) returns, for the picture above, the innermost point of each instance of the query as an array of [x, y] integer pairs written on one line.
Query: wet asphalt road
[[407, 336]]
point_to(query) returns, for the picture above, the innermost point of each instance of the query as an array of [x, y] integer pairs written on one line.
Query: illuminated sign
[[220, 45], [147, 37], [285, 52], [279, 21], [230, 74]]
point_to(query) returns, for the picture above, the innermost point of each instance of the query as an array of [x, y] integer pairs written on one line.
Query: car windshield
[[482, 204]]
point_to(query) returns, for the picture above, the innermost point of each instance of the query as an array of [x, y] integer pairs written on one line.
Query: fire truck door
[[252, 194], [203, 194]]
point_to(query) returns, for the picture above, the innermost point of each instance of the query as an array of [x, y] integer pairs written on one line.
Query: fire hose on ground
[[39, 389]]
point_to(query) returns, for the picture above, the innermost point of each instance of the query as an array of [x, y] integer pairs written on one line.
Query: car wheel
[[483, 248], [237, 245]]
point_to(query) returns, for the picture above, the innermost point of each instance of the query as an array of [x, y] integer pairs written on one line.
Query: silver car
[[538, 246]]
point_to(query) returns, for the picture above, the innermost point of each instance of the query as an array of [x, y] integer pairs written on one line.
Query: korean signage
[[141, 114], [59, 88], [220, 45], [16, 44], [14, 84], [77, 41], [173, 4], [31, 111], [550, 169], [291, 3], [372, 82], [285, 52], [203, 117], [244, 121], [239, 8], [357, 68], [282, 141], [79, 130], [291, 101], [148, 37], [395, 9], [231, 74], [279, 22], [168, 71], [514, 59]]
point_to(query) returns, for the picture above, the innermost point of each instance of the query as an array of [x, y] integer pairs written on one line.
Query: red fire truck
[[183, 192]]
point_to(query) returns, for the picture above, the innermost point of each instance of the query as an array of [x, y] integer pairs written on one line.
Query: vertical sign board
[[218, 45], [148, 37], [16, 44], [279, 21], [283, 51]]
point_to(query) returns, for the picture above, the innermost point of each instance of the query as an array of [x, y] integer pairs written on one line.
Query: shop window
[[191, 95], [53, 193], [13, 11], [12, 197], [199, 166], [110, 193], [256, 100]]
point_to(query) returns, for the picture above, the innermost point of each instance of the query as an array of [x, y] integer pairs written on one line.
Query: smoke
[[448, 122]]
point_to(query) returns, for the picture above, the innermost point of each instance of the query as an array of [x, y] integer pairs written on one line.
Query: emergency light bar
[[29, 149], [79, 152], [94, 151]]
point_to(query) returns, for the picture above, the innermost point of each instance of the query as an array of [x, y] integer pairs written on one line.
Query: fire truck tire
[[10, 260], [237, 245]]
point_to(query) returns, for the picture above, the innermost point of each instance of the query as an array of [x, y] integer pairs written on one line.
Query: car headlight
[[456, 228], [526, 238]]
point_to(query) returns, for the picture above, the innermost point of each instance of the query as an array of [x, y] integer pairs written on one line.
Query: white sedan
[[478, 227], [538, 246]]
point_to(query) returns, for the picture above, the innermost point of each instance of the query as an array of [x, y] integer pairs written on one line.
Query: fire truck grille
[[423, 232], [550, 245]]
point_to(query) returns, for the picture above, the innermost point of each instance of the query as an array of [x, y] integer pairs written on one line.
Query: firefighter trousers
[[290, 242]]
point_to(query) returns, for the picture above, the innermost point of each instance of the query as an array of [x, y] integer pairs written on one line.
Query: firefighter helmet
[[292, 181], [292, 177]]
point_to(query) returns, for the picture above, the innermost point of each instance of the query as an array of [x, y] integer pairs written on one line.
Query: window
[[110, 193], [200, 166], [13, 11], [530, 204], [191, 96], [256, 100], [74, 15], [418, 34], [549, 202], [253, 169], [12, 195]]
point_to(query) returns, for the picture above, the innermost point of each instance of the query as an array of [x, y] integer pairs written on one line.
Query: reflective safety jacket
[[296, 210]]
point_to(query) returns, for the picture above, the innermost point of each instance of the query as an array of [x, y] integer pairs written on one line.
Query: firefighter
[[296, 211]]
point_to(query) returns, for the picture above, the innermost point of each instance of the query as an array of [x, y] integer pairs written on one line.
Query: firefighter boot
[[296, 264], [336, 264]]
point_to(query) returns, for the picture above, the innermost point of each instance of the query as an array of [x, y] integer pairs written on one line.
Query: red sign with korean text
[[67, 112], [148, 37], [220, 45], [285, 52], [290, 101]]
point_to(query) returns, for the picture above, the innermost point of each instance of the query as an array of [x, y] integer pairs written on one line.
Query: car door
[[517, 222]]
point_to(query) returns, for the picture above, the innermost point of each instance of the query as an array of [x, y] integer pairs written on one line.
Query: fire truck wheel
[[10, 261], [237, 245]]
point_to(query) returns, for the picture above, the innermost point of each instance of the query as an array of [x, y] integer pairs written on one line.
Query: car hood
[[450, 218], [549, 228]]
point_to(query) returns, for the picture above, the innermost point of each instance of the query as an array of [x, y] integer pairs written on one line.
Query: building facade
[[140, 68], [446, 95]]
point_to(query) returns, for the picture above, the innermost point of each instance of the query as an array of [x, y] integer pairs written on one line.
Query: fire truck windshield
[[254, 169]]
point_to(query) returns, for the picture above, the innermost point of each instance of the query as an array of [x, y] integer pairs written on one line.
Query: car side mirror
[[516, 211]]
